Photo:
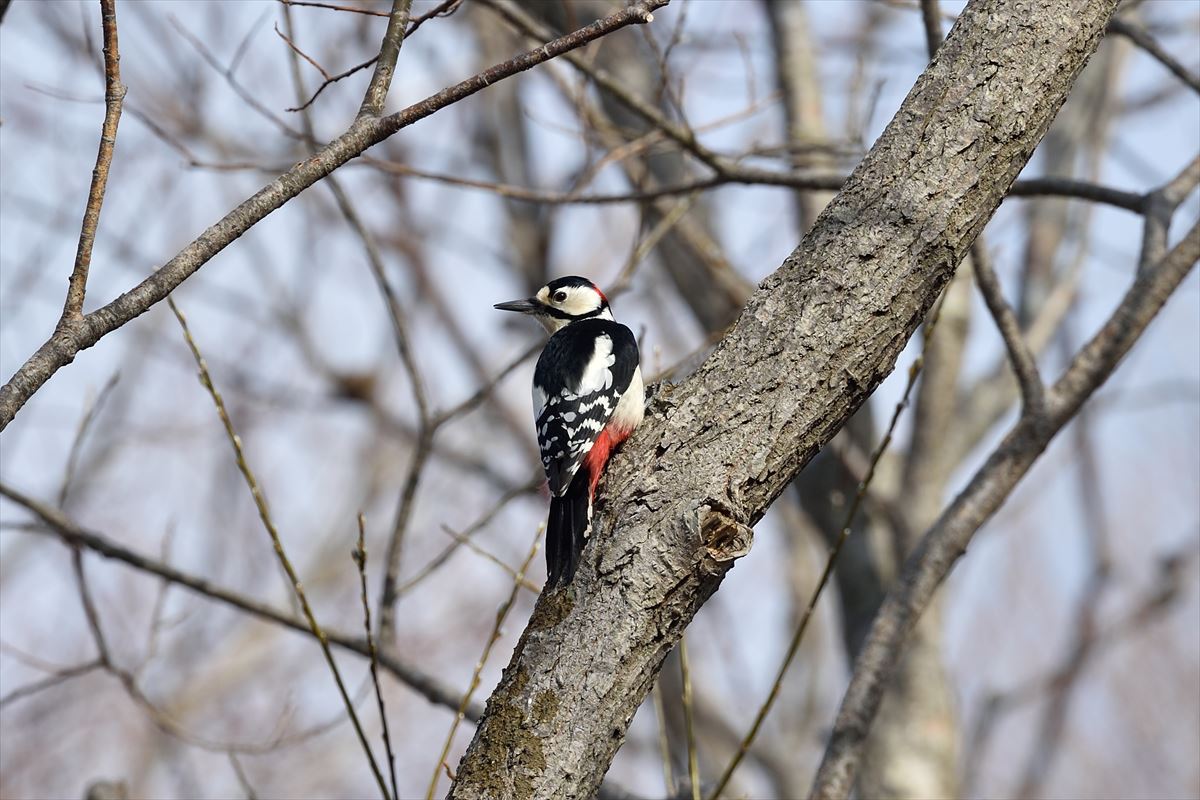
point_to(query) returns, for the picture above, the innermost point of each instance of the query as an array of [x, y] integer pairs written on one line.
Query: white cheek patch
[[580, 301]]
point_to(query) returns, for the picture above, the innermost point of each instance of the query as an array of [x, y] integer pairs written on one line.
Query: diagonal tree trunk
[[815, 339]]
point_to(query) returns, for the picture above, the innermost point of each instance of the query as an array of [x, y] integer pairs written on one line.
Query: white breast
[[632, 404]]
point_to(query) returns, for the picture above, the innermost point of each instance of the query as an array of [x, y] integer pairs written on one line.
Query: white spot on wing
[[597, 375]]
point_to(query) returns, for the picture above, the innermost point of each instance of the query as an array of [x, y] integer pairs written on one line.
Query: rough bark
[[813, 342]]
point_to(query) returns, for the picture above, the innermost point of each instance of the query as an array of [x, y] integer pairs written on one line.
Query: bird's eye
[[559, 296]]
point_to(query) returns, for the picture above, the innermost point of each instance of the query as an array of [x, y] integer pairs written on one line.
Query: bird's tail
[[566, 530]]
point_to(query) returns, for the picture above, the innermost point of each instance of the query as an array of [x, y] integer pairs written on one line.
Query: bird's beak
[[530, 306]]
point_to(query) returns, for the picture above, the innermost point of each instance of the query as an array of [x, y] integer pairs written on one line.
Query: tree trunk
[[815, 339]]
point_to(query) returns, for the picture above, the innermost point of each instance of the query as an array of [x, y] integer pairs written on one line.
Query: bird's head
[[561, 302]]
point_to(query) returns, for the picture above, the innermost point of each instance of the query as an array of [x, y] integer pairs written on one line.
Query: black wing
[[581, 375]]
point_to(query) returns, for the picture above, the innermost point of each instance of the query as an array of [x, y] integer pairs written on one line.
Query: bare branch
[[332, 79], [296, 49], [1024, 365], [946, 541], [385, 66], [1159, 207], [264, 514], [334, 7], [73, 535], [444, 9], [61, 348], [466, 542], [747, 176], [114, 96], [56, 678], [1142, 38], [360, 561], [81, 433]]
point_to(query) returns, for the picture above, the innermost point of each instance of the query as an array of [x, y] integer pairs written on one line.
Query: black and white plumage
[[587, 399]]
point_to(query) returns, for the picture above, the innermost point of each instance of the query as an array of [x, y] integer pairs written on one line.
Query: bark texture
[[815, 339]]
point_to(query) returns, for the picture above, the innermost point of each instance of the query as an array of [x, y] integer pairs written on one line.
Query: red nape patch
[[602, 295], [597, 457]]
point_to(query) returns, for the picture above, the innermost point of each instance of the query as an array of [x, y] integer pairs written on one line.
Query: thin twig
[[333, 7], [81, 432], [265, 515], [103, 654], [1033, 391], [443, 9], [72, 534], [522, 20], [156, 611], [664, 746], [739, 176], [492, 557], [482, 393], [114, 96], [441, 558], [1142, 38], [647, 243], [227, 73], [296, 49], [425, 430], [360, 560], [332, 79], [58, 677], [240, 773], [689, 724], [501, 615]]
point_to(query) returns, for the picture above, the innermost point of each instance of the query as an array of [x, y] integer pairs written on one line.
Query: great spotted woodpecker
[[587, 399]]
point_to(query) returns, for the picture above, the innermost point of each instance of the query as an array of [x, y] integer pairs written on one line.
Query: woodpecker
[[587, 399]]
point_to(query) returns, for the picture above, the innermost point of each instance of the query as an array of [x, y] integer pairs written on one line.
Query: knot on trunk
[[723, 537]]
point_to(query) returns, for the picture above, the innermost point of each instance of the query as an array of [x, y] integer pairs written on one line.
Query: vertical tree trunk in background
[[812, 344], [913, 748], [799, 82]]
